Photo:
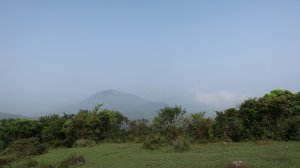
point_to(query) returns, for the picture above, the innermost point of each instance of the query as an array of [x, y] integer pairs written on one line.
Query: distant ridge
[[129, 105], [9, 116]]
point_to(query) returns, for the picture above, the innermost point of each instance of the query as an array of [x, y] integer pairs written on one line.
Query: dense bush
[[98, 124], [26, 147], [138, 130], [52, 129], [14, 129], [199, 128], [228, 125]]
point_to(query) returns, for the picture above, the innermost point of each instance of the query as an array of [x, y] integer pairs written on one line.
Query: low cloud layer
[[212, 98]]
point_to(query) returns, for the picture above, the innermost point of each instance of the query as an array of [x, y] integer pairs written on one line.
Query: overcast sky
[[54, 53]]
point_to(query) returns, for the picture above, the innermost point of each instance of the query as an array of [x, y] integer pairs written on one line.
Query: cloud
[[211, 98], [206, 98], [228, 95]]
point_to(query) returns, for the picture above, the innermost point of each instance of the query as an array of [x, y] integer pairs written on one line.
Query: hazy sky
[[54, 53]]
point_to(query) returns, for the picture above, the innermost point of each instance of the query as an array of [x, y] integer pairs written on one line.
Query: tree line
[[274, 116]]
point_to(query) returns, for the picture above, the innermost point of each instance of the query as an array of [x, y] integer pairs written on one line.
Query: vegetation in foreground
[[274, 155]]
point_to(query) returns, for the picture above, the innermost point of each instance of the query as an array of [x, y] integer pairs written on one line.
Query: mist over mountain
[[135, 107], [129, 105], [9, 116]]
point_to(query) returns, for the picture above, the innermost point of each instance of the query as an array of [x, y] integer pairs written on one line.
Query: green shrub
[[26, 147], [13, 129], [84, 143], [71, 161], [181, 144], [154, 142]]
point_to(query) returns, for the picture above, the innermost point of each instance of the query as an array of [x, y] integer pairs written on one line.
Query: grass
[[273, 155]]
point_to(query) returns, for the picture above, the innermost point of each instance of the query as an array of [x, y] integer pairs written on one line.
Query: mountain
[[8, 116], [131, 106]]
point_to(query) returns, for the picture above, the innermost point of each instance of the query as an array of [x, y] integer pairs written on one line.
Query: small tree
[[170, 121], [228, 124], [252, 118], [138, 130], [52, 128], [199, 128]]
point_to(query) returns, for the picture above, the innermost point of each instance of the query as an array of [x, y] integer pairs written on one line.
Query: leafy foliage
[[14, 129], [273, 116], [199, 128], [98, 124], [138, 130], [170, 121], [52, 131], [228, 125]]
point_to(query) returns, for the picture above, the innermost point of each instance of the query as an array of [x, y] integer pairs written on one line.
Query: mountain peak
[[130, 105], [109, 92], [114, 94]]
